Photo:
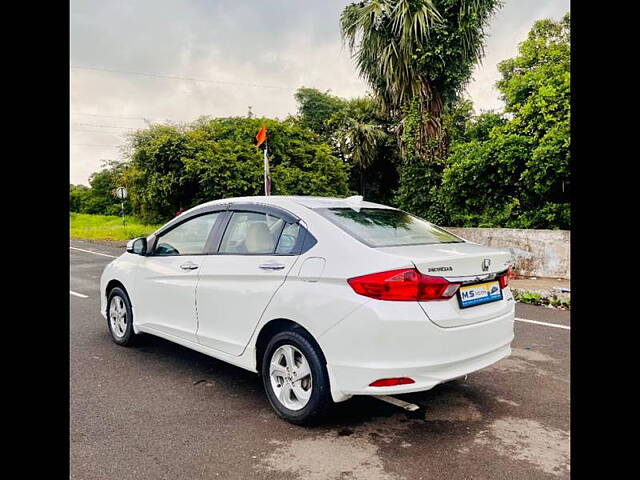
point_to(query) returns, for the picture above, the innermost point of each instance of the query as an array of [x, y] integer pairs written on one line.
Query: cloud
[[280, 43]]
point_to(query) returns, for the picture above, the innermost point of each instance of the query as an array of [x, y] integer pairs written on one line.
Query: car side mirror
[[137, 246]]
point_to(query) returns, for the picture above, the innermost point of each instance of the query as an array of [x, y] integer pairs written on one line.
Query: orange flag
[[261, 136]]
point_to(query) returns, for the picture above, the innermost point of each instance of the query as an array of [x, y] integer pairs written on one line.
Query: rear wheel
[[295, 378], [120, 317]]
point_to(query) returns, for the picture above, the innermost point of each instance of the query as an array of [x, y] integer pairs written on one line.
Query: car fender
[[122, 270], [296, 299]]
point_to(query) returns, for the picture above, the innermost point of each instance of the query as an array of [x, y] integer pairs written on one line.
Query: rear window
[[378, 227]]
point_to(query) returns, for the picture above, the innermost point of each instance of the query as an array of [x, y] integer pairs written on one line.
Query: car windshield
[[381, 227]]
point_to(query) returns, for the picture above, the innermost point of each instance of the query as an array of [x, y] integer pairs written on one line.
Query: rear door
[[256, 253], [166, 278]]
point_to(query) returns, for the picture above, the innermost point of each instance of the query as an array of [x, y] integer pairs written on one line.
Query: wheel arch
[[112, 284], [275, 326]]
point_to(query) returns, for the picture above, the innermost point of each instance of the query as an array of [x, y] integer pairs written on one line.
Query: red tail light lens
[[506, 277], [404, 284], [391, 382]]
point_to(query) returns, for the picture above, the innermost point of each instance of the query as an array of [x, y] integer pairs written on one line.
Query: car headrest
[[259, 238]]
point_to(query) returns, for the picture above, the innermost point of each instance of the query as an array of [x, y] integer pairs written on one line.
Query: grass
[[107, 227], [534, 298]]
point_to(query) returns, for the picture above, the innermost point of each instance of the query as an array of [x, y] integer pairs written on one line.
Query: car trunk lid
[[466, 263]]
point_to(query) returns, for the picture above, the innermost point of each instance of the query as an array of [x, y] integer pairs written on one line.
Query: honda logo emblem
[[485, 264]]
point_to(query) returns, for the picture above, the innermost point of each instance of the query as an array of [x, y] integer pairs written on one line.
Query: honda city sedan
[[324, 298]]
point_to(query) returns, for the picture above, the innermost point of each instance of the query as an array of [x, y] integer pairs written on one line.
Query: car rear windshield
[[379, 227]]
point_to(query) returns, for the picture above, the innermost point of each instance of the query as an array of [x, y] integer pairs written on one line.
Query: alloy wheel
[[291, 377], [118, 316]]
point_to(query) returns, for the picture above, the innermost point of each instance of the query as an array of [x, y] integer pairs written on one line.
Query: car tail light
[[391, 382], [404, 284], [506, 277]]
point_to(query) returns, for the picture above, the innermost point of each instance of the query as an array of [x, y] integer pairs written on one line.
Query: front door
[[166, 278], [236, 285]]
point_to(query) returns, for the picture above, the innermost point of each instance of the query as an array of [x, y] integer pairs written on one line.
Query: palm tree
[[359, 140], [416, 55]]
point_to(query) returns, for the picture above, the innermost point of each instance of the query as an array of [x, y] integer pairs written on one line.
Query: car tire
[[120, 317], [314, 386]]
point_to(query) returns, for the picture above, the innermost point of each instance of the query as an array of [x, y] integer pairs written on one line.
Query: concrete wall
[[538, 253]]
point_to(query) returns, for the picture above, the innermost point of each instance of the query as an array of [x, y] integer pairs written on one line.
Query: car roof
[[307, 201]]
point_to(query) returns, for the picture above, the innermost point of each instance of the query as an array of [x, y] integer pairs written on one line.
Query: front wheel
[[295, 378], [120, 317]]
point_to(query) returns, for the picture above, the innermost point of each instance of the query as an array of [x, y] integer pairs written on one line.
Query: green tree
[[176, 167], [481, 184], [417, 55], [360, 141], [78, 195], [360, 133], [535, 86], [315, 108], [456, 118], [479, 127], [514, 171], [157, 178], [100, 197]]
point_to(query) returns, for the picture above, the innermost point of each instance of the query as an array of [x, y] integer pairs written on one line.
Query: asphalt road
[[162, 411]]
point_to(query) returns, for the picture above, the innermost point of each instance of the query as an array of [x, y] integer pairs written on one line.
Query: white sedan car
[[325, 298]]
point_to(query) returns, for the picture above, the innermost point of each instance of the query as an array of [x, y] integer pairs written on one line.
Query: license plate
[[479, 293]]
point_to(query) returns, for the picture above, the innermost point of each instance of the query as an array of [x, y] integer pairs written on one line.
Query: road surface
[[162, 411]]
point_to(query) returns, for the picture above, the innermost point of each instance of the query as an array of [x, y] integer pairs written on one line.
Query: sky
[[250, 54]]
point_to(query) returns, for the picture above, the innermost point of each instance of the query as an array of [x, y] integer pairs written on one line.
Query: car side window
[[251, 233], [189, 238], [288, 239]]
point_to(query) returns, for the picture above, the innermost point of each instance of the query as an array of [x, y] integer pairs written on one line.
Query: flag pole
[[267, 186], [261, 137]]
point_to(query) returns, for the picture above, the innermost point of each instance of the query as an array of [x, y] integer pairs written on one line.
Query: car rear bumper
[[393, 339]]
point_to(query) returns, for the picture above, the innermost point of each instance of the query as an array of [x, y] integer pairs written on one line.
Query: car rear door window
[[188, 238], [251, 233], [288, 239]]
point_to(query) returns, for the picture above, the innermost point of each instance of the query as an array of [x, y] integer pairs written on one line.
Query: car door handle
[[188, 266], [272, 266]]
